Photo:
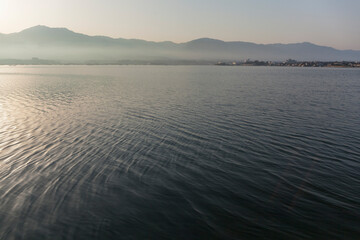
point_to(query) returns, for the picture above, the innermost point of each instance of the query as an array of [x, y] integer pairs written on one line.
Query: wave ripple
[[156, 152]]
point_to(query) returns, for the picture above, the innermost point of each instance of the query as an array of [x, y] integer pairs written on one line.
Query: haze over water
[[181, 152]]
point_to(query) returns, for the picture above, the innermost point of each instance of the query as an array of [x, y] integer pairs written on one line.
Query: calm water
[[153, 152]]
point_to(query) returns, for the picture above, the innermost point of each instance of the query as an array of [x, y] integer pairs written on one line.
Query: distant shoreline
[[294, 63], [169, 65], [288, 63]]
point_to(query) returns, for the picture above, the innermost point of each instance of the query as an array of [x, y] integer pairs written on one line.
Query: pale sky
[[332, 23]]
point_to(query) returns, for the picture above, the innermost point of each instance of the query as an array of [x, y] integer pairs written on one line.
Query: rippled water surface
[[160, 152]]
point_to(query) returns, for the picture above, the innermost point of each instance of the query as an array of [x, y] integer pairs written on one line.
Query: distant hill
[[61, 44]]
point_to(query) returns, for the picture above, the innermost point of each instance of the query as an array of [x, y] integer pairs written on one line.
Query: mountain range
[[61, 44]]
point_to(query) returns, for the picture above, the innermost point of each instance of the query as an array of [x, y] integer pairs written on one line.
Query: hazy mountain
[[65, 45]]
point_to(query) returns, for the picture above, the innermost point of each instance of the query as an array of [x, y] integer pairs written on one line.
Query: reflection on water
[[151, 152]]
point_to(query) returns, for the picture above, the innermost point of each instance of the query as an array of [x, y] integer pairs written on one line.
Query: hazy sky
[[327, 22]]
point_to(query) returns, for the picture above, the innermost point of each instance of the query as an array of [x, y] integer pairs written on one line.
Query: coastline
[[255, 63]]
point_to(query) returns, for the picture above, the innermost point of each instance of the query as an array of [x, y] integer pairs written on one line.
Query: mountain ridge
[[66, 45]]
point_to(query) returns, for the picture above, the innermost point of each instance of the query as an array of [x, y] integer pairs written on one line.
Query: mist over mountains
[[61, 44]]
